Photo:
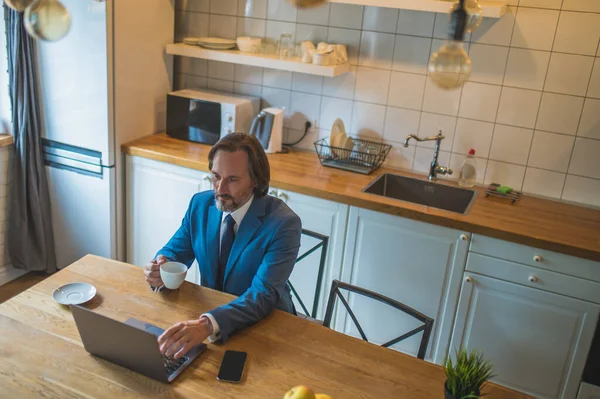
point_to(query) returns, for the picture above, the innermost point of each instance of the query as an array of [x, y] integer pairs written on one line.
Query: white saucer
[[74, 293]]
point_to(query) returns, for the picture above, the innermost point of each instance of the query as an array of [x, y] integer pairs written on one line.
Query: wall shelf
[[273, 62], [491, 9]]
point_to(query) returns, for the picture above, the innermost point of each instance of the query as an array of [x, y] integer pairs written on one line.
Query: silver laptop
[[133, 344]]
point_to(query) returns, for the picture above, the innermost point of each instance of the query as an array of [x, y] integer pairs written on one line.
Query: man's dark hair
[[258, 163]]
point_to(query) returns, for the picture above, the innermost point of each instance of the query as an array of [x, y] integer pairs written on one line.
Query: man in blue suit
[[245, 241]]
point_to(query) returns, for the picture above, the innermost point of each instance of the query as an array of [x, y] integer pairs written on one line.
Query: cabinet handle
[[283, 197], [468, 279], [464, 237], [207, 178], [533, 279], [273, 193], [537, 259]]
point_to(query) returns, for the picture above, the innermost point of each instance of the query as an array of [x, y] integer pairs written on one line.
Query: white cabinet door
[[158, 195], [415, 263], [537, 341], [323, 217]]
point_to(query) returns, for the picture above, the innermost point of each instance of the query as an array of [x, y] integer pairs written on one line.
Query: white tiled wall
[[531, 108]]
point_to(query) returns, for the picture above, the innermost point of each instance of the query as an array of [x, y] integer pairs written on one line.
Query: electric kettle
[[267, 127]]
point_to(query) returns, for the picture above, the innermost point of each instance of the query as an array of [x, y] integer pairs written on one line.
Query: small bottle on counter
[[468, 172]]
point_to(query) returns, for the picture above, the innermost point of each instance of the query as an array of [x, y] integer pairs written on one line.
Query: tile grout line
[[385, 114], [500, 98], [427, 79], [542, 95], [357, 66], [391, 68], [575, 142]]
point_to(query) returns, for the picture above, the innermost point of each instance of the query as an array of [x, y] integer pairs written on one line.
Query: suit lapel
[[212, 242], [251, 222]]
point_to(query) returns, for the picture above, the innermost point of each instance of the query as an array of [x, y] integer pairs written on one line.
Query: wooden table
[[41, 353]]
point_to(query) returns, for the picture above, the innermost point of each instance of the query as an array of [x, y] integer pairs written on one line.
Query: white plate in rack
[[338, 138]]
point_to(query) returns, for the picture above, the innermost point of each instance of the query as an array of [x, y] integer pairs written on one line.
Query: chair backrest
[[323, 242], [426, 327]]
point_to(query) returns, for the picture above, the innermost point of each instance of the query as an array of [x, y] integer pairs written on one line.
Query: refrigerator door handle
[[75, 159]]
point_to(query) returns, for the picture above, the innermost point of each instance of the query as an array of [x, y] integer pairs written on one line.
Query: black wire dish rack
[[365, 157]]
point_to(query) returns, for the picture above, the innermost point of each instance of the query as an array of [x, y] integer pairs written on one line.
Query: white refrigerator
[[102, 85]]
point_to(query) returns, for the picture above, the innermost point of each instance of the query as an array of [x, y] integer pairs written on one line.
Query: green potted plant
[[466, 375]]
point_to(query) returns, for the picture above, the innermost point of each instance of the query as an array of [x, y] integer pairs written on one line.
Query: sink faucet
[[435, 168]]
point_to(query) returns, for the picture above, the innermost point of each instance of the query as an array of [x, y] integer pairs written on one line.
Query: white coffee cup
[[173, 274]]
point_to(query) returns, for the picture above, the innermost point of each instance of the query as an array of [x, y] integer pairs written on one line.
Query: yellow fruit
[[300, 392], [322, 396]]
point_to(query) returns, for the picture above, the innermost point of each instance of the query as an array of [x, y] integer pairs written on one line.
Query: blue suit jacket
[[261, 260]]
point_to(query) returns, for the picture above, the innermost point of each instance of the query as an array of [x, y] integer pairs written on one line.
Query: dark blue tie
[[226, 244]]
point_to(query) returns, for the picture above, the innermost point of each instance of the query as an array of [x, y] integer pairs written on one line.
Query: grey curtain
[[29, 236]]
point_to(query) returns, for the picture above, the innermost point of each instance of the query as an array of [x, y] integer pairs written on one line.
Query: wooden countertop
[[42, 355], [6, 139], [546, 224]]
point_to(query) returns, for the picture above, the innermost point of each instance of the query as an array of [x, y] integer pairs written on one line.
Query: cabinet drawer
[[534, 277], [539, 258]]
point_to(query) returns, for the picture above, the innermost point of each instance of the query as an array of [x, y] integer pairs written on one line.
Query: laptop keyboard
[[173, 364]]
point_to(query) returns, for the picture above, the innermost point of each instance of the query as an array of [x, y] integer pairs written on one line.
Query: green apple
[[300, 392]]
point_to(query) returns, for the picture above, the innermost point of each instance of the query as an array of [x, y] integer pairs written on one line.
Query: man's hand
[[180, 338], [152, 271]]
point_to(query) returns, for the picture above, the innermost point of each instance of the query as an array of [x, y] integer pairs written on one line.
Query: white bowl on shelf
[[248, 44]]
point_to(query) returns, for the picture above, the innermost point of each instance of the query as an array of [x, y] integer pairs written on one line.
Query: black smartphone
[[232, 366]]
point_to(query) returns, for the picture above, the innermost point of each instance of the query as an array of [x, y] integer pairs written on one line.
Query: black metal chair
[[323, 242], [426, 328]]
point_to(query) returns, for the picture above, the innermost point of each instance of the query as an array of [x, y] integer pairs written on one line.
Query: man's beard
[[229, 206]]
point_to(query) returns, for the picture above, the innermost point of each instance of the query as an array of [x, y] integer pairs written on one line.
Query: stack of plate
[[340, 141], [213, 43]]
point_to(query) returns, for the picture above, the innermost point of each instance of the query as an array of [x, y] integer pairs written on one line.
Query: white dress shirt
[[238, 216]]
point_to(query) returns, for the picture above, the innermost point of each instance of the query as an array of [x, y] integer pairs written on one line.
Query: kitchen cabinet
[[531, 312], [158, 195], [536, 340], [324, 217], [416, 263]]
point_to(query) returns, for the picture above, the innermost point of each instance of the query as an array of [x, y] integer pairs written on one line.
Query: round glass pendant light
[[47, 20], [450, 66]]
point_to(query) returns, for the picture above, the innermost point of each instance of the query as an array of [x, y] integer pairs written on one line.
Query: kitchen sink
[[422, 192]]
